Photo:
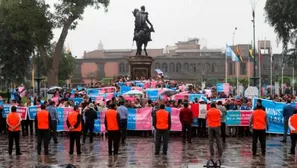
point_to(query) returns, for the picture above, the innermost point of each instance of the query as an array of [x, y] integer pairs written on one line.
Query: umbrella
[[169, 93], [53, 89], [134, 92]]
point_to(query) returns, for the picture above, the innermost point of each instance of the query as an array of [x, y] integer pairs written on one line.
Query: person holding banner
[[43, 126], [14, 122], [113, 126], [75, 127], [123, 112], [162, 124], [293, 127], [259, 124], [186, 118], [287, 113]]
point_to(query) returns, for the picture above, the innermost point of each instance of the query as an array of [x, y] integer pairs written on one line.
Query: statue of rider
[[141, 20]]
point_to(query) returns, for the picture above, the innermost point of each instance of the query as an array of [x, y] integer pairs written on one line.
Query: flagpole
[[226, 69], [236, 63], [271, 70]]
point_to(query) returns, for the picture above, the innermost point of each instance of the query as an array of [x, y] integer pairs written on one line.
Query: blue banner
[[32, 110], [131, 125], [220, 87], [193, 96], [97, 124], [125, 89], [6, 110], [152, 94], [93, 92], [60, 124], [274, 111]]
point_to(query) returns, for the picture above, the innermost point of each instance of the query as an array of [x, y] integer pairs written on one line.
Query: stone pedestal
[[140, 66]]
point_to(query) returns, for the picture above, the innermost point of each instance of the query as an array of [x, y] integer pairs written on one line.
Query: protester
[[112, 125], [293, 127], [162, 124], [213, 117], [90, 117], [14, 122], [186, 118], [54, 118], [202, 121], [74, 125], [123, 112], [43, 127], [287, 113], [259, 124], [223, 124]]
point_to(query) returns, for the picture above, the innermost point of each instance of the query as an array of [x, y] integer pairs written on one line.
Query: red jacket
[[186, 116]]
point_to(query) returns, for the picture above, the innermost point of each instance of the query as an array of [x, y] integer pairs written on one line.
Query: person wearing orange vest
[[112, 125], [75, 126], [162, 124], [259, 124], [213, 117], [13, 121], [43, 127], [293, 129]]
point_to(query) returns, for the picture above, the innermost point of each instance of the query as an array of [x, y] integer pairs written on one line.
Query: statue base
[[140, 66]]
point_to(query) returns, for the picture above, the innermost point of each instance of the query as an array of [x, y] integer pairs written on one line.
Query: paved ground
[[139, 153]]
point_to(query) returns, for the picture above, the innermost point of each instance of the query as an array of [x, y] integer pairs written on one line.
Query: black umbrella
[[169, 93], [53, 90]]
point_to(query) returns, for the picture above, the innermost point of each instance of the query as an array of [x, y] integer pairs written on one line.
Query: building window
[[230, 68], [213, 67], [242, 68], [178, 67], [171, 67], [127, 68], [164, 67], [186, 67], [157, 66], [122, 68]]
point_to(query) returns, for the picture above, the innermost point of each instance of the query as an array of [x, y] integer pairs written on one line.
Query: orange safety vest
[[42, 119], [72, 119], [214, 117], [111, 119], [259, 119], [162, 119], [13, 119], [293, 121]]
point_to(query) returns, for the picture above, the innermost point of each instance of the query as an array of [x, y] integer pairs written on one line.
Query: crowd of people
[[81, 120]]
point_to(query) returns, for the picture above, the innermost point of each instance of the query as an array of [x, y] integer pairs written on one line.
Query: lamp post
[[92, 77], [38, 78], [254, 4], [236, 64]]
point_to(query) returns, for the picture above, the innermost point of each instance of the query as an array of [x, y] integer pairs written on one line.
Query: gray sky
[[173, 20]]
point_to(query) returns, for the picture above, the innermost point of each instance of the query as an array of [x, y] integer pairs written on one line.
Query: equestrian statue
[[142, 32]]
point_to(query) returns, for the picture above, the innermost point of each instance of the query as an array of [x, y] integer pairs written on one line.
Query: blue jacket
[[288, 111]]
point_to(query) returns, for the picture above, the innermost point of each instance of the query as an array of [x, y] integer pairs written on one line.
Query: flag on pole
[[238, 54], [230, 53]]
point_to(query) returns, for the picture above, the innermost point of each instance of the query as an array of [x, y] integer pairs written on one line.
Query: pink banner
[[144, 119], [129, 98], [136, 88], [102, 121], [22, 111], [99, 99], [109, 96], [153, 84], [245, 116], [146, 85], [67, 111], [56, 100], [180, 96], [175, 122]]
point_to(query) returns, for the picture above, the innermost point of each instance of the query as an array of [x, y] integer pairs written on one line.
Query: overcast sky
[[173, 20]]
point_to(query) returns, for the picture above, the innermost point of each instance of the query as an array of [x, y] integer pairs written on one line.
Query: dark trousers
[[286, 127], [293, 142], [3, 125], [187, 130], [42, 135], [16, 137], [162, 135], [123, 130], [259, 134], [26, 124], [88, 127], [214, 135], [74, 137], [54, 131], [223, 131], [201, 127], [113, 141]]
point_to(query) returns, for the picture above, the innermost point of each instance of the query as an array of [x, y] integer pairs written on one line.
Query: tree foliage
[[282, 15], [28, 25], [18, 38]]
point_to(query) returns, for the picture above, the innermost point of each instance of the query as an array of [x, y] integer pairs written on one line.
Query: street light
[[92, 76], [254, 4]]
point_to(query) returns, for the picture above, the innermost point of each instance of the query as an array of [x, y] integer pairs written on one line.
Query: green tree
[[282, 15], [18, 40], [34, 18]]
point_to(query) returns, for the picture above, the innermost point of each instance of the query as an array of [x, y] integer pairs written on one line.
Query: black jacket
[[91, 116]]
